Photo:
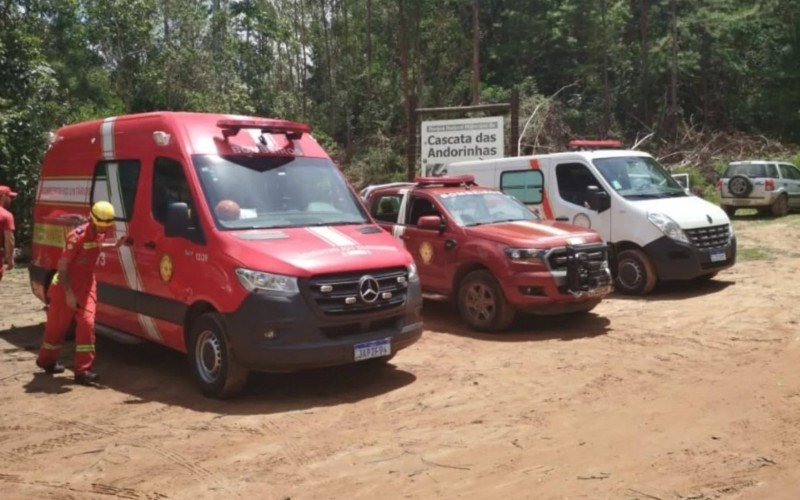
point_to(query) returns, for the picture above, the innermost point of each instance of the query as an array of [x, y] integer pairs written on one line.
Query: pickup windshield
[[638, 177], [264, 192], [474, 208]]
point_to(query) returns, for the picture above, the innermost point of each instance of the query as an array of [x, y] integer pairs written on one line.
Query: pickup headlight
[[413, 276], [526, 255], [669, 227], [257, 281]]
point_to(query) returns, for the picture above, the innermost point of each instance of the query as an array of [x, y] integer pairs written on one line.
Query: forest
[[695, 82]]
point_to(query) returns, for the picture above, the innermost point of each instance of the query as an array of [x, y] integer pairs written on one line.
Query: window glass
[[638, 177], [524, 185], [789, 172], [772, 170], [170, 186], [387, 208], [474, 208], [751, 170], [794, 173], [573, 179], [115, 182], [421, 207]]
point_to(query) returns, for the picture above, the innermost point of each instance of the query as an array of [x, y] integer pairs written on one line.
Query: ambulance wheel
[[635, 273], [215, 369], [482, 304]]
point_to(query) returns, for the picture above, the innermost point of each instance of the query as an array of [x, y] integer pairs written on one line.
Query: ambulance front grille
[[709, 237], [358, 293]]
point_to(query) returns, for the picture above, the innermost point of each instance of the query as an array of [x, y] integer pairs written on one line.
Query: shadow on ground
[[443, 317], [149, 372], [680, 290]]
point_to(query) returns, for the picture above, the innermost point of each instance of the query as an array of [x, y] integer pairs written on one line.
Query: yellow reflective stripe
[[55, 279], [87, 246], [51, 347], [84, 348]]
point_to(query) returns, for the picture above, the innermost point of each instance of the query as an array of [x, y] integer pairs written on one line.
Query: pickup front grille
[[709, 237], [558, 258], [363, 292]]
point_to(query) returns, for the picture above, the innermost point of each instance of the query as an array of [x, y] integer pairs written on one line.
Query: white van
[[658, 231]]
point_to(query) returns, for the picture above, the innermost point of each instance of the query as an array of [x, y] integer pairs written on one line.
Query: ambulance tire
[[635, 273], [482, 304], [214, 366]]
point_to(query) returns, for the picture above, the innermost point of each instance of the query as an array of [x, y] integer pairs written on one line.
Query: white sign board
[[449, 141]]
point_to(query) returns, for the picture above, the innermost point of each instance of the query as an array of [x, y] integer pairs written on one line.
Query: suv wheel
[[740, 186], [780, 207], [214, 367], [635, 273], [482, 304]]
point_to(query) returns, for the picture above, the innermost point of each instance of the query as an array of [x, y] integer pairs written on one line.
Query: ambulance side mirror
[[597, 199], [177, 224], [431, 223]]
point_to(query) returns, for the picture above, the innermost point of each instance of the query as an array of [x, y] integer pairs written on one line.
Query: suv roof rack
[[594, 144], [458, 180]]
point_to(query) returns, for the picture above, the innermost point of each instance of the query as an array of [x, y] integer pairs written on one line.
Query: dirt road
[[692, 392]]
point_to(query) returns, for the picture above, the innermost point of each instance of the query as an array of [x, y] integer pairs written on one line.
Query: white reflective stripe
[[332, 236], [126, 257], [542, 227], [398, 231], [107, 131], [401, 218]]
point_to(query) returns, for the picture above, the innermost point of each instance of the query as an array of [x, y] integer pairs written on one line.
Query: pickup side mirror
[[597, 199], [431, 223]]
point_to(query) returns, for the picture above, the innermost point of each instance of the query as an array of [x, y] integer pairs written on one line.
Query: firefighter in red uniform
[[6, 230], [73, 295]]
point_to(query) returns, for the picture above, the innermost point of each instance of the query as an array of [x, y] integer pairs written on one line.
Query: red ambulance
[[246, 248]]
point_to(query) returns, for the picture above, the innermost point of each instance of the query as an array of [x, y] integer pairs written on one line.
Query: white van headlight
[[413, 276], [258, 281], [669, 227]]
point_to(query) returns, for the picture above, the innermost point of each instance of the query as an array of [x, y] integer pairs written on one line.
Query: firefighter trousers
[[59, 318]]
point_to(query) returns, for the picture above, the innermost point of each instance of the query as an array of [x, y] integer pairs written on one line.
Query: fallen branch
[[443, 465]]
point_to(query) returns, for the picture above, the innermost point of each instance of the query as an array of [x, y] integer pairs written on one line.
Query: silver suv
[[772, 186]]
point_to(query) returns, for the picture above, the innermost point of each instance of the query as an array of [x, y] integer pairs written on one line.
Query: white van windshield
[[473, 208], [638, 177], [262, 192]]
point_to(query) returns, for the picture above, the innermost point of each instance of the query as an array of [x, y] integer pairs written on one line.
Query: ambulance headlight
[[261, 282], [526, 255], [669, 227]]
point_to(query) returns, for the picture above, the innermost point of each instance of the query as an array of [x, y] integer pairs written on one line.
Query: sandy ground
[[692, 392]]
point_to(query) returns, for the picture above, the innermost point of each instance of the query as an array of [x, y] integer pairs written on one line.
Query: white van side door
[[567, 190]]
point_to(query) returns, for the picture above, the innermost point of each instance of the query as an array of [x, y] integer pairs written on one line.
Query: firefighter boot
[[51, 369], [87, 378]]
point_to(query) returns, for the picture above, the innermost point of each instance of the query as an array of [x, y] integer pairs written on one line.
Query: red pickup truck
[[489, 252]]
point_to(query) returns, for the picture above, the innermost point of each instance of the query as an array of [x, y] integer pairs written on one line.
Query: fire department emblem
[[426, 252], [165, 268]]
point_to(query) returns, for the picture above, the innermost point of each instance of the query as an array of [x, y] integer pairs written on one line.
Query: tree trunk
[[673, 84], [645, 49], [402, 47], [476, 45], [606, 90]]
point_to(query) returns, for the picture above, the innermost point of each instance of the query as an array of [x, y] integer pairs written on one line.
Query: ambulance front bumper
[[675, 260], [285, 334]]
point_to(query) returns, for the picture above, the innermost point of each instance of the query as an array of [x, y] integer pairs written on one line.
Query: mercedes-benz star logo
[[368, 288]]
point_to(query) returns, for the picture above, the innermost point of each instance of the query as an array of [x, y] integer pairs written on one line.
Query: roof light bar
[[459, 180], [587, 144], [293, 130]]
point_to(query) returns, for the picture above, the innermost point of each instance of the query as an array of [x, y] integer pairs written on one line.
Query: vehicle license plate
[[718, 256], [372, 349]]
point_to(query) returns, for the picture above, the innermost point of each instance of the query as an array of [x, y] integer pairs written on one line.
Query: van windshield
[[638, 177], [474, 208], [263, 192]]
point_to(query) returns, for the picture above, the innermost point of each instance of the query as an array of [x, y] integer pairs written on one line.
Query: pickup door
[[398, 213]]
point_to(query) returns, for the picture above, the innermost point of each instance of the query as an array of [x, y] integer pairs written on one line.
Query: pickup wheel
[[740, 186], [215, 369], [635, 273], [780, 207], [482, 304]]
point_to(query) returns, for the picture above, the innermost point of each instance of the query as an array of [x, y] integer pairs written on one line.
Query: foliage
[[353, 69]]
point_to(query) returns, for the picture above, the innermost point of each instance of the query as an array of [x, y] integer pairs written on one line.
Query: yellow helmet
[[102, 214]]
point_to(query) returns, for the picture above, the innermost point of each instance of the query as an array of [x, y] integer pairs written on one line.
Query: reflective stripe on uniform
[[55, 279], [50, 347], [92, 244], [84, 348]]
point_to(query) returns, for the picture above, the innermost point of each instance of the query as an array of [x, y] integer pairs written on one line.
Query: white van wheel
[[635, 273], [214, 367]]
